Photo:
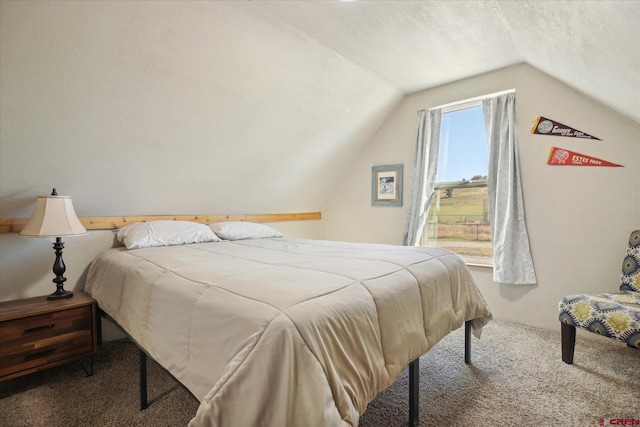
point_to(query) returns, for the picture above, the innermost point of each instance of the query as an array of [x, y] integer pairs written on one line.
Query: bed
[[279, 331]]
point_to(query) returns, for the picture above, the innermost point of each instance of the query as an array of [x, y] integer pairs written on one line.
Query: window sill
[[475, 264]]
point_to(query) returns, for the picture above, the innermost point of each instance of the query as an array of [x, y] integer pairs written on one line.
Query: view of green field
[[459, 221]]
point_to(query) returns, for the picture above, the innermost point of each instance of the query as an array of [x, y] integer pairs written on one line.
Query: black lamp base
[[60, 294], [59, 269]]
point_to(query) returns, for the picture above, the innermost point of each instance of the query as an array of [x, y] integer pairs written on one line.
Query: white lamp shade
[[53, 216]]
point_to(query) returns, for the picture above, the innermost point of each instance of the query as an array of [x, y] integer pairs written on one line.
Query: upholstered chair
[[615, 315]]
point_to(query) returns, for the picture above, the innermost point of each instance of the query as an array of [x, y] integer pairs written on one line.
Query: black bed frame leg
[[414, 392], [467, 341], [414, 377], [143, 380]]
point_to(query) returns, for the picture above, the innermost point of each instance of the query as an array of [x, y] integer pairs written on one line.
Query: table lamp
[[54, 216]]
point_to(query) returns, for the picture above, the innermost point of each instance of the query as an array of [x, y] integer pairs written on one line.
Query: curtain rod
[[471, 102]]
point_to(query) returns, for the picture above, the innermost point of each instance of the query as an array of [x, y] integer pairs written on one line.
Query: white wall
[[137, 108], [578, 218], [155, 108]]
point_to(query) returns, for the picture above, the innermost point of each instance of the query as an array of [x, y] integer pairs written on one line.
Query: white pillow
[[164, 233], [238, 230]]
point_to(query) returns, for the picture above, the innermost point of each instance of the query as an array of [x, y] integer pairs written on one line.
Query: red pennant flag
[[544, 126], [562, 157]]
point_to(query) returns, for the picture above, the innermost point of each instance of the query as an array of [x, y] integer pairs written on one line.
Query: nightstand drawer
[[42, 326], [45, 351], [42, 340]]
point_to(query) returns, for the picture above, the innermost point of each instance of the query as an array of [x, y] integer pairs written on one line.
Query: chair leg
[[568, 334]]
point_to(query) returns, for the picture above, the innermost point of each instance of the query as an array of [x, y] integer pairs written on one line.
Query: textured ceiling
[[594, 46]]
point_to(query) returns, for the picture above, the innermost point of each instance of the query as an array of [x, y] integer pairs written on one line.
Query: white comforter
[[285, 332]]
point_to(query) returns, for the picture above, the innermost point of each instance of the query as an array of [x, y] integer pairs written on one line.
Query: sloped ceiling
[[593, 46], [245, 106]]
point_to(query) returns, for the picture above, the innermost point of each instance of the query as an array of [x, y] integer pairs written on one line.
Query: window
[[510, 255], [458, 218]]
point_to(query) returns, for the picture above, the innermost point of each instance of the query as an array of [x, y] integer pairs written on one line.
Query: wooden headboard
[[15, 225]]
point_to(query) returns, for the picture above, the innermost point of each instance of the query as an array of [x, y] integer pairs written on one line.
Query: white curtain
[[423, 175], [512, 262]]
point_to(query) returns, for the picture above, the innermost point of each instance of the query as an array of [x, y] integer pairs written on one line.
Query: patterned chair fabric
[[615, 315]]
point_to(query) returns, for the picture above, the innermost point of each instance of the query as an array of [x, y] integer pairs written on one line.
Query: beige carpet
[[516, 378]]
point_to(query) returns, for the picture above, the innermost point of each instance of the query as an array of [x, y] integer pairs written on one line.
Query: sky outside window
[[463, 145]]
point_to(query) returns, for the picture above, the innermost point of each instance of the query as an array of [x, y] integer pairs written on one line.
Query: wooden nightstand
[[36, 333]]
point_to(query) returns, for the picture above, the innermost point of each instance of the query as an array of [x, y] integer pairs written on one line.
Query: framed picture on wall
[[386, 185]]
